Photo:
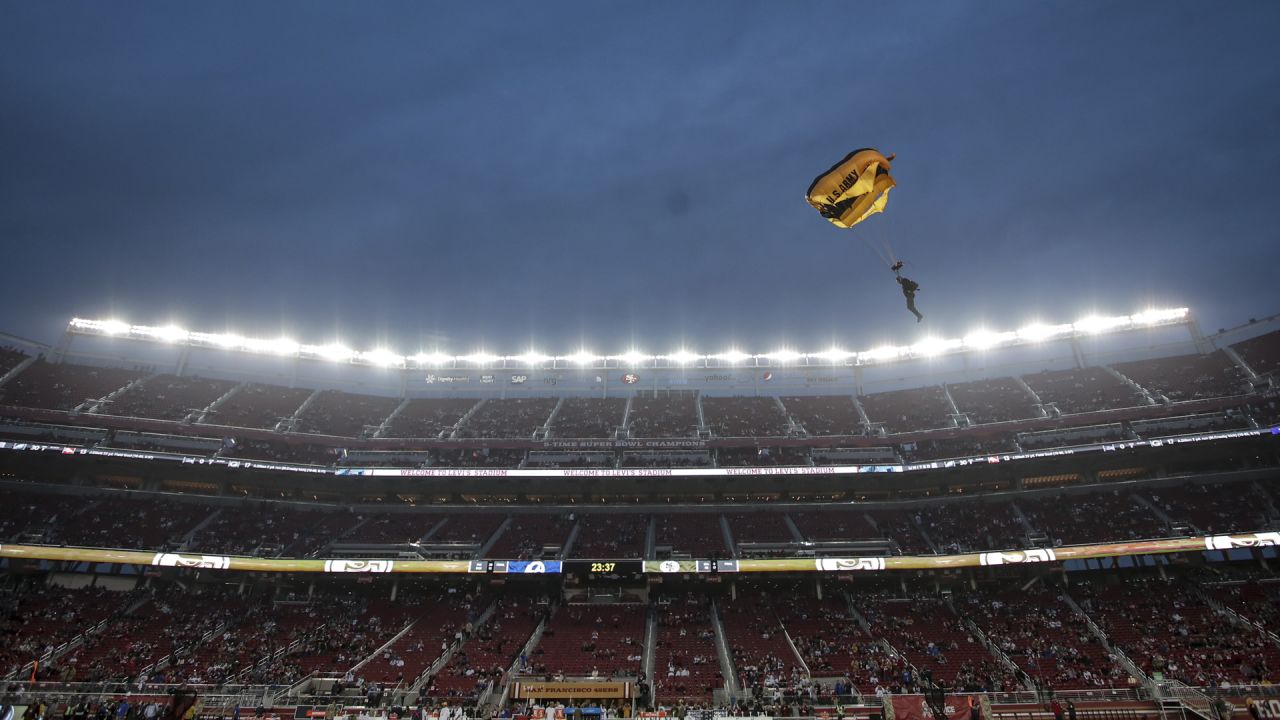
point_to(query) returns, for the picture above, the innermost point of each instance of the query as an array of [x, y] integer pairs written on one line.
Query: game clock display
[[605, 567]]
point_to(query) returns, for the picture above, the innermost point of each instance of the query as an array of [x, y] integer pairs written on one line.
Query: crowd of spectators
[[744, 416], [1261, 353], [661, 416], [972, 526], [446, 617], [168, 622], [258, 406], [1256, 598], [824, 414], [65, 386], [1082, 390], [588, 417], [527, 536], [38, 618], [1213, 509], [492, 649], [759, 527], [135, 523], [832, 524], [686, 664], [993, 400], [468, 528], [10, 358], [1041, 634], [508, 418], [167, 397], [1162, 626], [345, 414], [610, 535], [390, 528], [429, 417], [270, 530], [592, 640], [1096, 517], [764, 660], [908, 410], [931, 637], [1187, 377], [901, 527], [690, 535]]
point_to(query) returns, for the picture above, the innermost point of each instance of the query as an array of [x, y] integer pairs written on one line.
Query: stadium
[[1084, 511], [595, 361]]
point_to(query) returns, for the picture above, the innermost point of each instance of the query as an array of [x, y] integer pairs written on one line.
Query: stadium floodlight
[[977, 340], [106, 327], [683, 357], [335, 352], [931, 347], [985, 339], [783, 355], [582, 357], [632, 357], [1157, 317], [884, 352], [834, 355], [279, 346], [1098, 324], [168, 333], [435, 358], [480, 358], [227, 341], [381, 357], [1039, 332], [532, 358]]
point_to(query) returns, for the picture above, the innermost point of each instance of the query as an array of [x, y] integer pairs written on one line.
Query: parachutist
[[909, 288], [896, 267]]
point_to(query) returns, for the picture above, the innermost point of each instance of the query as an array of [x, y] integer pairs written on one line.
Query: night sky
[[631, 174]]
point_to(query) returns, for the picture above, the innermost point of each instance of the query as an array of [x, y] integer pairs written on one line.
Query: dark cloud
[[563, 173]]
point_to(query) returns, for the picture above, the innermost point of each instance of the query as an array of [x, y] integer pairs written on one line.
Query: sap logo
[[519, 379]]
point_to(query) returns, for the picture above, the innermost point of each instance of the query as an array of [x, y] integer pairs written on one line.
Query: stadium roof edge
[[926, 347]]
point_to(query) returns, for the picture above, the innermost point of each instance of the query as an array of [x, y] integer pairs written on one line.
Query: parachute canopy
[[854, 189]]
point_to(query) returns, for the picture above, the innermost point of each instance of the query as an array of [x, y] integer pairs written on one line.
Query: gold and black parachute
[[854, 189]]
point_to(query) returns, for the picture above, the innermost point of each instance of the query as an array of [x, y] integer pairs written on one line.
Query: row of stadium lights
[[929, 347]]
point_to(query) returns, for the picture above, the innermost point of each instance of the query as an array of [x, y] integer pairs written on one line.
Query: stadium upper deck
[[1138, 384]]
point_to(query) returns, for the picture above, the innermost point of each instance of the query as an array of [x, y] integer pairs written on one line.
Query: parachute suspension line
[[877, 240]]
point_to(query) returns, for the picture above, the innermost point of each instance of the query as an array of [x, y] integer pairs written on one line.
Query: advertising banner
[[582, 689]]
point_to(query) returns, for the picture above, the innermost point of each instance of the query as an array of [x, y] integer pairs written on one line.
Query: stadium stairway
[[386, 423], [1147, 399], [722, 652], [882, 642], [648, 660], [199, 415], [1128, 664], [1145, 502], [47, 658], [493, 538], [534, 638], [17, 370], [995, 650]]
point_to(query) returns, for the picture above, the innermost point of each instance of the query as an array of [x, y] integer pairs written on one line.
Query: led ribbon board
[[536, 567]]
